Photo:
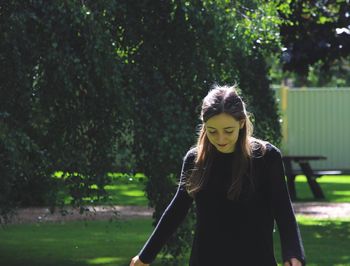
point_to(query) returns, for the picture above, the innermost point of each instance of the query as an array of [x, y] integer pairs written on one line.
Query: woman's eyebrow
[[224, 127]]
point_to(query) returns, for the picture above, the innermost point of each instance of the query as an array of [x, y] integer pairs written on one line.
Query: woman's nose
[[221, 138]]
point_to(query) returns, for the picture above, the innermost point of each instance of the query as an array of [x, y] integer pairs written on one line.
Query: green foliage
[[60, 98], [23, 167], [176, 51], [336, 74], [315, 32], [84, 81]]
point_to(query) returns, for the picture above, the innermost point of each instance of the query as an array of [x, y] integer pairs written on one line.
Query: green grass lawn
[[114, 243], [335, 188], [73, 243], [103, 243], [127, 194], [122, 191]]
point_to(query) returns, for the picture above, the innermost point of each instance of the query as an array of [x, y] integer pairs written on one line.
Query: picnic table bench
[[311, 174]]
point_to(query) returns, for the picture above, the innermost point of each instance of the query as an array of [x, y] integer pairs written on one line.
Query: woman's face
[[222, 131]]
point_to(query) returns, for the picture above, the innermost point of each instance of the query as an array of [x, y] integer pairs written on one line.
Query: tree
[[177, 50], [315, 32], [61, 99], [84, 70]]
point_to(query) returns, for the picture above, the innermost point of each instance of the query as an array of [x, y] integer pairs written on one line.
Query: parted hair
[[224, 99]]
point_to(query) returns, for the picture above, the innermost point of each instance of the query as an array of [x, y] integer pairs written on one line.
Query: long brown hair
[[224, 99]]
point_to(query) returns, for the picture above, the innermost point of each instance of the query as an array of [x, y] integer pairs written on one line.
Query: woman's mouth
[[222, 145]]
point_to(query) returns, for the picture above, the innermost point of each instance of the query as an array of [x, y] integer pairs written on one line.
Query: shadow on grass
[[74, 243], [52, 261], [326, 242], [48, 261]]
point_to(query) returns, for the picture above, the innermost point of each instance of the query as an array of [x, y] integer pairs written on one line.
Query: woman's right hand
[[137, 262]]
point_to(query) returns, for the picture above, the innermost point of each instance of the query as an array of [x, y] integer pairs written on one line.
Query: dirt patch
[[323, 209], [35, 215]]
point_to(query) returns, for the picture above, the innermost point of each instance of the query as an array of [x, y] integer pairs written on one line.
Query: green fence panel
[[316, 121]]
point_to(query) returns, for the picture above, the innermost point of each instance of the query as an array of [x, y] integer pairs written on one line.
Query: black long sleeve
[[282, 209], [172, 216], [239, 230]]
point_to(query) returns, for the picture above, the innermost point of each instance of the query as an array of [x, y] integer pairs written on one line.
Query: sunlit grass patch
[[123, 189], [104, 260], [127, 190], [335, 188]]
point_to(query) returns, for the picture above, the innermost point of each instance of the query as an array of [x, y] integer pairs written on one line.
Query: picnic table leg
[[290, 179], [311, 179]]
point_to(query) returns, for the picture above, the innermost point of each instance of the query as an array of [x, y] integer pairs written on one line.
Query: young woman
[[238, 185]]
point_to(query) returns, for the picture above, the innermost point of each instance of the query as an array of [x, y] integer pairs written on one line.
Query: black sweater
[[229, 232]]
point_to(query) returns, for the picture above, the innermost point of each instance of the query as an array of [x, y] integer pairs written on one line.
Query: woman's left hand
[[292, 262]]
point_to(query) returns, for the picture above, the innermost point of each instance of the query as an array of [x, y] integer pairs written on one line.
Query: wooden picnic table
[[304, 163]]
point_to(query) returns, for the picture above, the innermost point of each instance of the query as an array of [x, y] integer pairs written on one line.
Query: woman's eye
[[229, 132], [212, 132]]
